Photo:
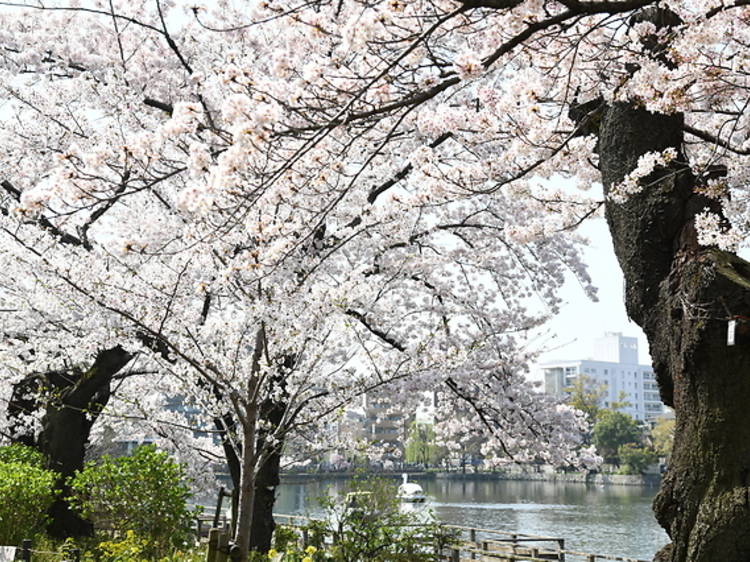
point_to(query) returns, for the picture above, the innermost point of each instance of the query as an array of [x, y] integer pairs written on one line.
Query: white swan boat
[[410, 491]]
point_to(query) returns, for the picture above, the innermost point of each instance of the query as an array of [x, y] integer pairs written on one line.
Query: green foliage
[[367, 524], [23, 454], [585, 396], [26, 492], [662, 436], [420, 445], [145, 494], [612, 430], [295, 554], [128, 549], [635, 459], [283, 537]]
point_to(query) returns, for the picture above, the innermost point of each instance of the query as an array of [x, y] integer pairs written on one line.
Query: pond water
[[613, 520]]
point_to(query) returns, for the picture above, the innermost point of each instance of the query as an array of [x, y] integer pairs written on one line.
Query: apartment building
[[614, 368]]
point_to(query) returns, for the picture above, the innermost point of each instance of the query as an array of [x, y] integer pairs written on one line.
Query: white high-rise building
[[615, 369]]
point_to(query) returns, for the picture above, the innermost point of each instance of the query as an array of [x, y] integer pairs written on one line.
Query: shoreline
[[593, 478]]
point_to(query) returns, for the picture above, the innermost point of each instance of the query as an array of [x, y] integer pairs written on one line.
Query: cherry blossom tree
[[233, 204], [288, 203]]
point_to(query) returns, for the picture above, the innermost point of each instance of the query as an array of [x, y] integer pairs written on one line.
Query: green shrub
[[145, 494], [128, 549], [23, 454], [26, 492], [283, 537]]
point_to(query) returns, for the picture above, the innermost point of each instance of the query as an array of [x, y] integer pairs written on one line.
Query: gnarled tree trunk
[[683, 295], [71, 406]]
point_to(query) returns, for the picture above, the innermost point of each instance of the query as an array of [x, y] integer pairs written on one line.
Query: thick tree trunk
[[267, 477], [72, 405], [683, 295], [266, 481], [246, 491]]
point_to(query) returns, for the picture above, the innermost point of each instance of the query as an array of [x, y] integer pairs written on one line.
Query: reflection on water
[[610, 520]]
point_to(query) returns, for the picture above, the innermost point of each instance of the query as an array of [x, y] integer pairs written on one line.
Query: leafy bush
[[129, 549], [145, 494], [23, 454], [26, 492]]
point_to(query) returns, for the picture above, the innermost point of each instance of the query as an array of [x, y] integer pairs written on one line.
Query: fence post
[[222, 549], [26, 550], [213, 543], [473, 539], [76, 552], [455, 555], [591, 558], [218, 512], [560, 548]]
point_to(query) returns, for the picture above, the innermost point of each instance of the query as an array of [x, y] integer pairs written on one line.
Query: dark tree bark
[[226, 426], [266, 481], [682, 295], [267, 477], [72, 402]]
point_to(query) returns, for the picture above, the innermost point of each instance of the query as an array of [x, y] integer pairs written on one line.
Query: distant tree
[[662, 436], [635, 459], [420, 445], [586, 396], [612, 430]]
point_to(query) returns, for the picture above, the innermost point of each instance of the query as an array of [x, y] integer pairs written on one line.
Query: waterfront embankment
[[595, 478]]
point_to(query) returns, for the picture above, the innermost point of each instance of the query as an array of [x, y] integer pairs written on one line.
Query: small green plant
[[129, 549], [26, 492], [283, 537], [145, 494], [294, 554]]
